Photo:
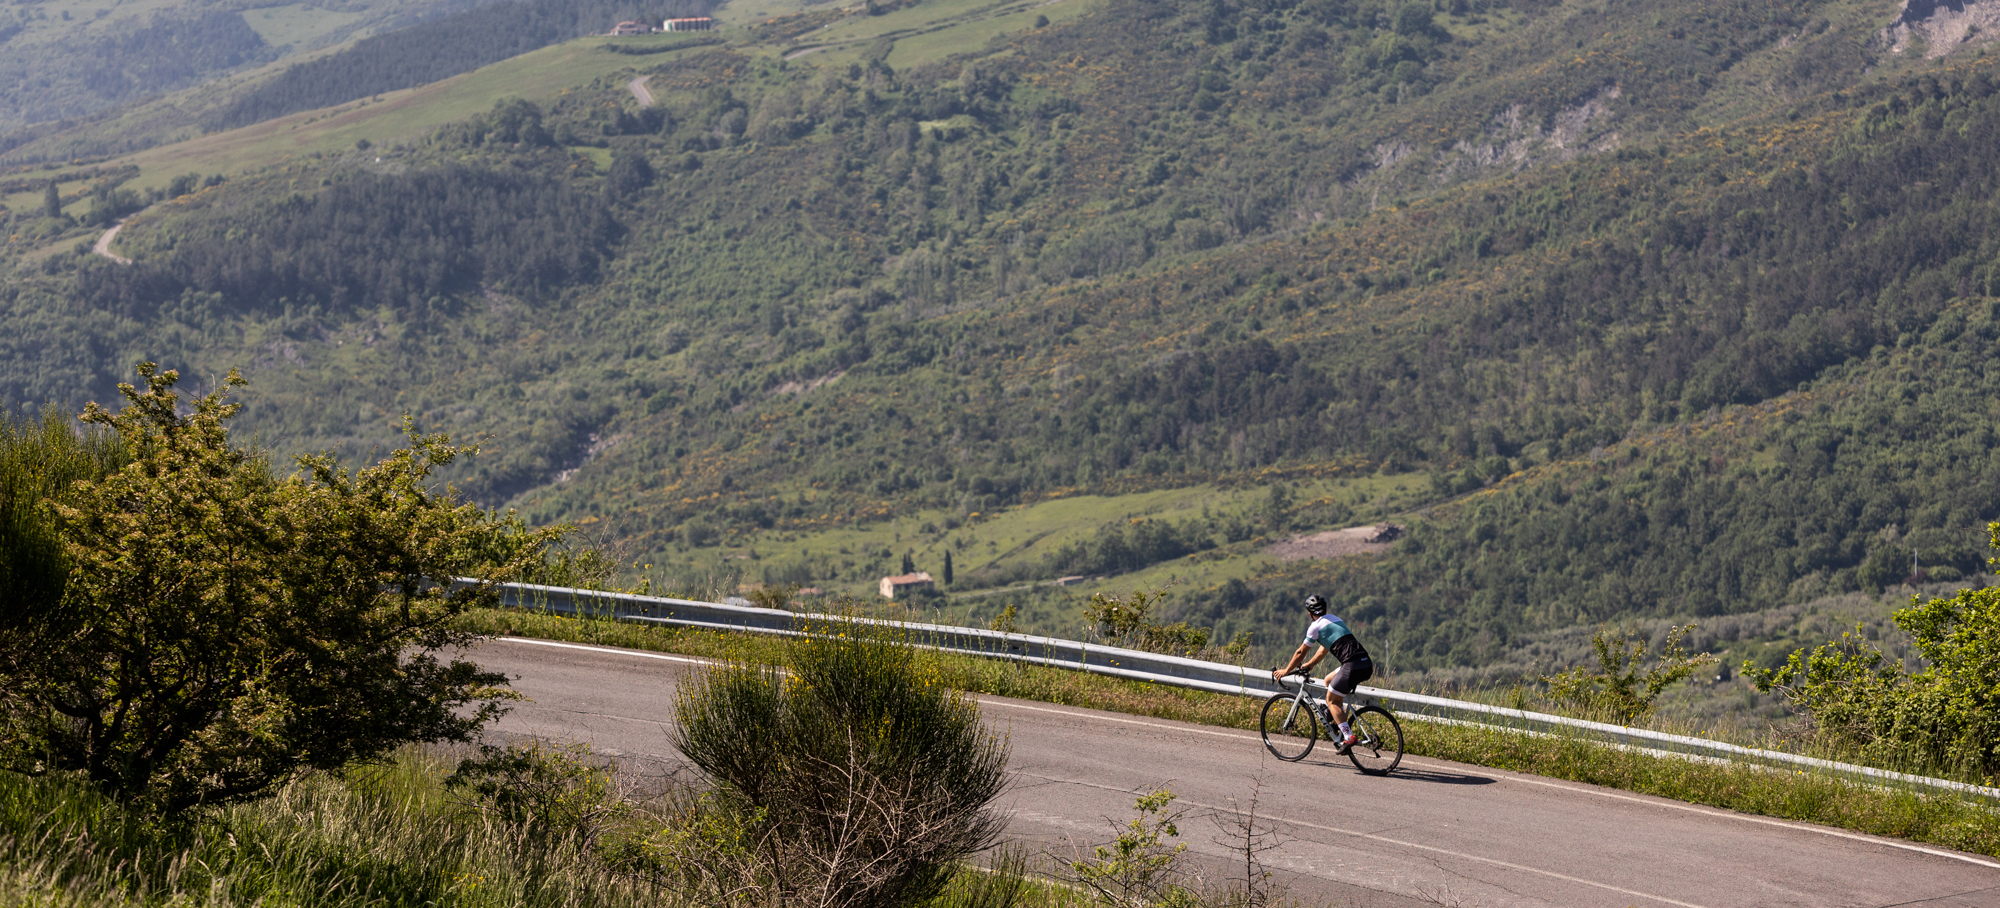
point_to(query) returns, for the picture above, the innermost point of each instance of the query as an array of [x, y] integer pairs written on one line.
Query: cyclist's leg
[[1335, 701], [1337, 689], [1341, 682]]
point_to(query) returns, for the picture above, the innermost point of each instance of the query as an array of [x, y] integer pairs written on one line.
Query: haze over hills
[[72, 60], [1629, 311]]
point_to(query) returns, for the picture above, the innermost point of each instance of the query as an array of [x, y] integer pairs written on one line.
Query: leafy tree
[[629, 173], [222, 629], [1946, 716]]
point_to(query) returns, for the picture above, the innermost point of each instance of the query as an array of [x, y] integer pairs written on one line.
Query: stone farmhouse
[[905, 583]]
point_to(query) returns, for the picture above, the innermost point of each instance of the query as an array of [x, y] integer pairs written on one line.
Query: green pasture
[[932, 31], [923, 32], [1025, 534], [739, 13], [386, 119], [976, 30], [298, 24]]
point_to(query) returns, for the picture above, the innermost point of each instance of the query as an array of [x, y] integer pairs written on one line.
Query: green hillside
[[65, 65], [1629, 312]]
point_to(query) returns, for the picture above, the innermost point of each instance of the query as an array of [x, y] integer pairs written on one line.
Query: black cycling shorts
[[1350, 675]]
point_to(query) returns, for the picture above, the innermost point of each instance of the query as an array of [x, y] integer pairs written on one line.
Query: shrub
[[1127, 621], [1140, 869], [864, 777], [221, 629], [1622, 689], [1946, 717], [547, 790]]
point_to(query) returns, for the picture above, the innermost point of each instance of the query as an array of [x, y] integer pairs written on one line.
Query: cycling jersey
[[1332, 633]]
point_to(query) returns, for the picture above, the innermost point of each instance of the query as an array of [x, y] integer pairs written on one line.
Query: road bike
[[1292, 722]]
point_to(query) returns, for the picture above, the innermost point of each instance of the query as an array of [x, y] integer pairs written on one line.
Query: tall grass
[[383, 835], [391, 834]]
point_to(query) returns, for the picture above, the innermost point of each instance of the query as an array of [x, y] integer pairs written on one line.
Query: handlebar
[[1294, 673]]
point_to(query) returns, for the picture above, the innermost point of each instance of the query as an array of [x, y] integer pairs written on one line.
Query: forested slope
[[1681, 311], [81, 73], [62, 64]]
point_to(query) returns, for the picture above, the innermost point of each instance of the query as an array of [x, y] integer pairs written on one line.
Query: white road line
[[1098, 717], [1510, 777], [1766, 821], [1384, 839], [1528, 780], [603, 649], [1473, 857]]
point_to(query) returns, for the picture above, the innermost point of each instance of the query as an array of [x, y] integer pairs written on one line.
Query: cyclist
[[1331, 635]]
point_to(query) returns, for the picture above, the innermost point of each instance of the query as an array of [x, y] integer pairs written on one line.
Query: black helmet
[[1316, 605]]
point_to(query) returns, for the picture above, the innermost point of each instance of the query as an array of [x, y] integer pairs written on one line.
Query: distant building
[[905, 583], [629, 28], [702, 24]]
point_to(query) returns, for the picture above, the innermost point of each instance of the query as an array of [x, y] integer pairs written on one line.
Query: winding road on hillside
[[638, 87], [103, 245], [1435, 833]]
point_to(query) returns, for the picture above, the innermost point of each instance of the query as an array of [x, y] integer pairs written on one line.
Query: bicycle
[[1292, 720]]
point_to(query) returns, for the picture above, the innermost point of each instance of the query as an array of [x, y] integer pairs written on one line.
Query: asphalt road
[[1434, 833], [638, 87]]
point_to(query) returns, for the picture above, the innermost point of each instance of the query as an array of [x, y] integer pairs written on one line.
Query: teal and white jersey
[[1326, 629], [1331, 632]]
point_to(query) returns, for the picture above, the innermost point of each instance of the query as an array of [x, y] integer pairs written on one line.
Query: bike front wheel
[[1289, 726], [1378, 745]]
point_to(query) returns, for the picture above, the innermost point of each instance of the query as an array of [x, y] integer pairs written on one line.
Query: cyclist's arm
[[1293, 665]]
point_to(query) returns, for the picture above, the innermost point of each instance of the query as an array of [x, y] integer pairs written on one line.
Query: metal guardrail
[[1176, 671]]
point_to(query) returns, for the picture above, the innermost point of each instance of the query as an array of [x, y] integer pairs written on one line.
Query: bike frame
[[1300, 696]]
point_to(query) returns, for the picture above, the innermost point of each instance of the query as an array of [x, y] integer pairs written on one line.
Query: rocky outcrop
[[1515, 141], [1942, 26]]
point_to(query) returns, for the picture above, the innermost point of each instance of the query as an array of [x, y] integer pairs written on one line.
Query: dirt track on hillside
[[1362, 540]]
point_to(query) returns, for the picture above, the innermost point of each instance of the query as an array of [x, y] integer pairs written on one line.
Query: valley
[[1631, 314]]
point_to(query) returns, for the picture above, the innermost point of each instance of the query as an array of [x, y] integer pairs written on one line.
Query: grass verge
[[388, 834], [1935, 819], [383, 835]]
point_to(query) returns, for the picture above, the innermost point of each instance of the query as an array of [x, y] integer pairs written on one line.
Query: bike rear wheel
[[1378, 747], [1289, 726]]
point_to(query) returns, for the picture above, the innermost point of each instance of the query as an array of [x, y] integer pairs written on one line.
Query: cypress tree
[[947, 567], [52, 201]]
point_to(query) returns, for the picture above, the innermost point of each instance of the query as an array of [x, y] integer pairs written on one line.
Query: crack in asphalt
[[578, 712]]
